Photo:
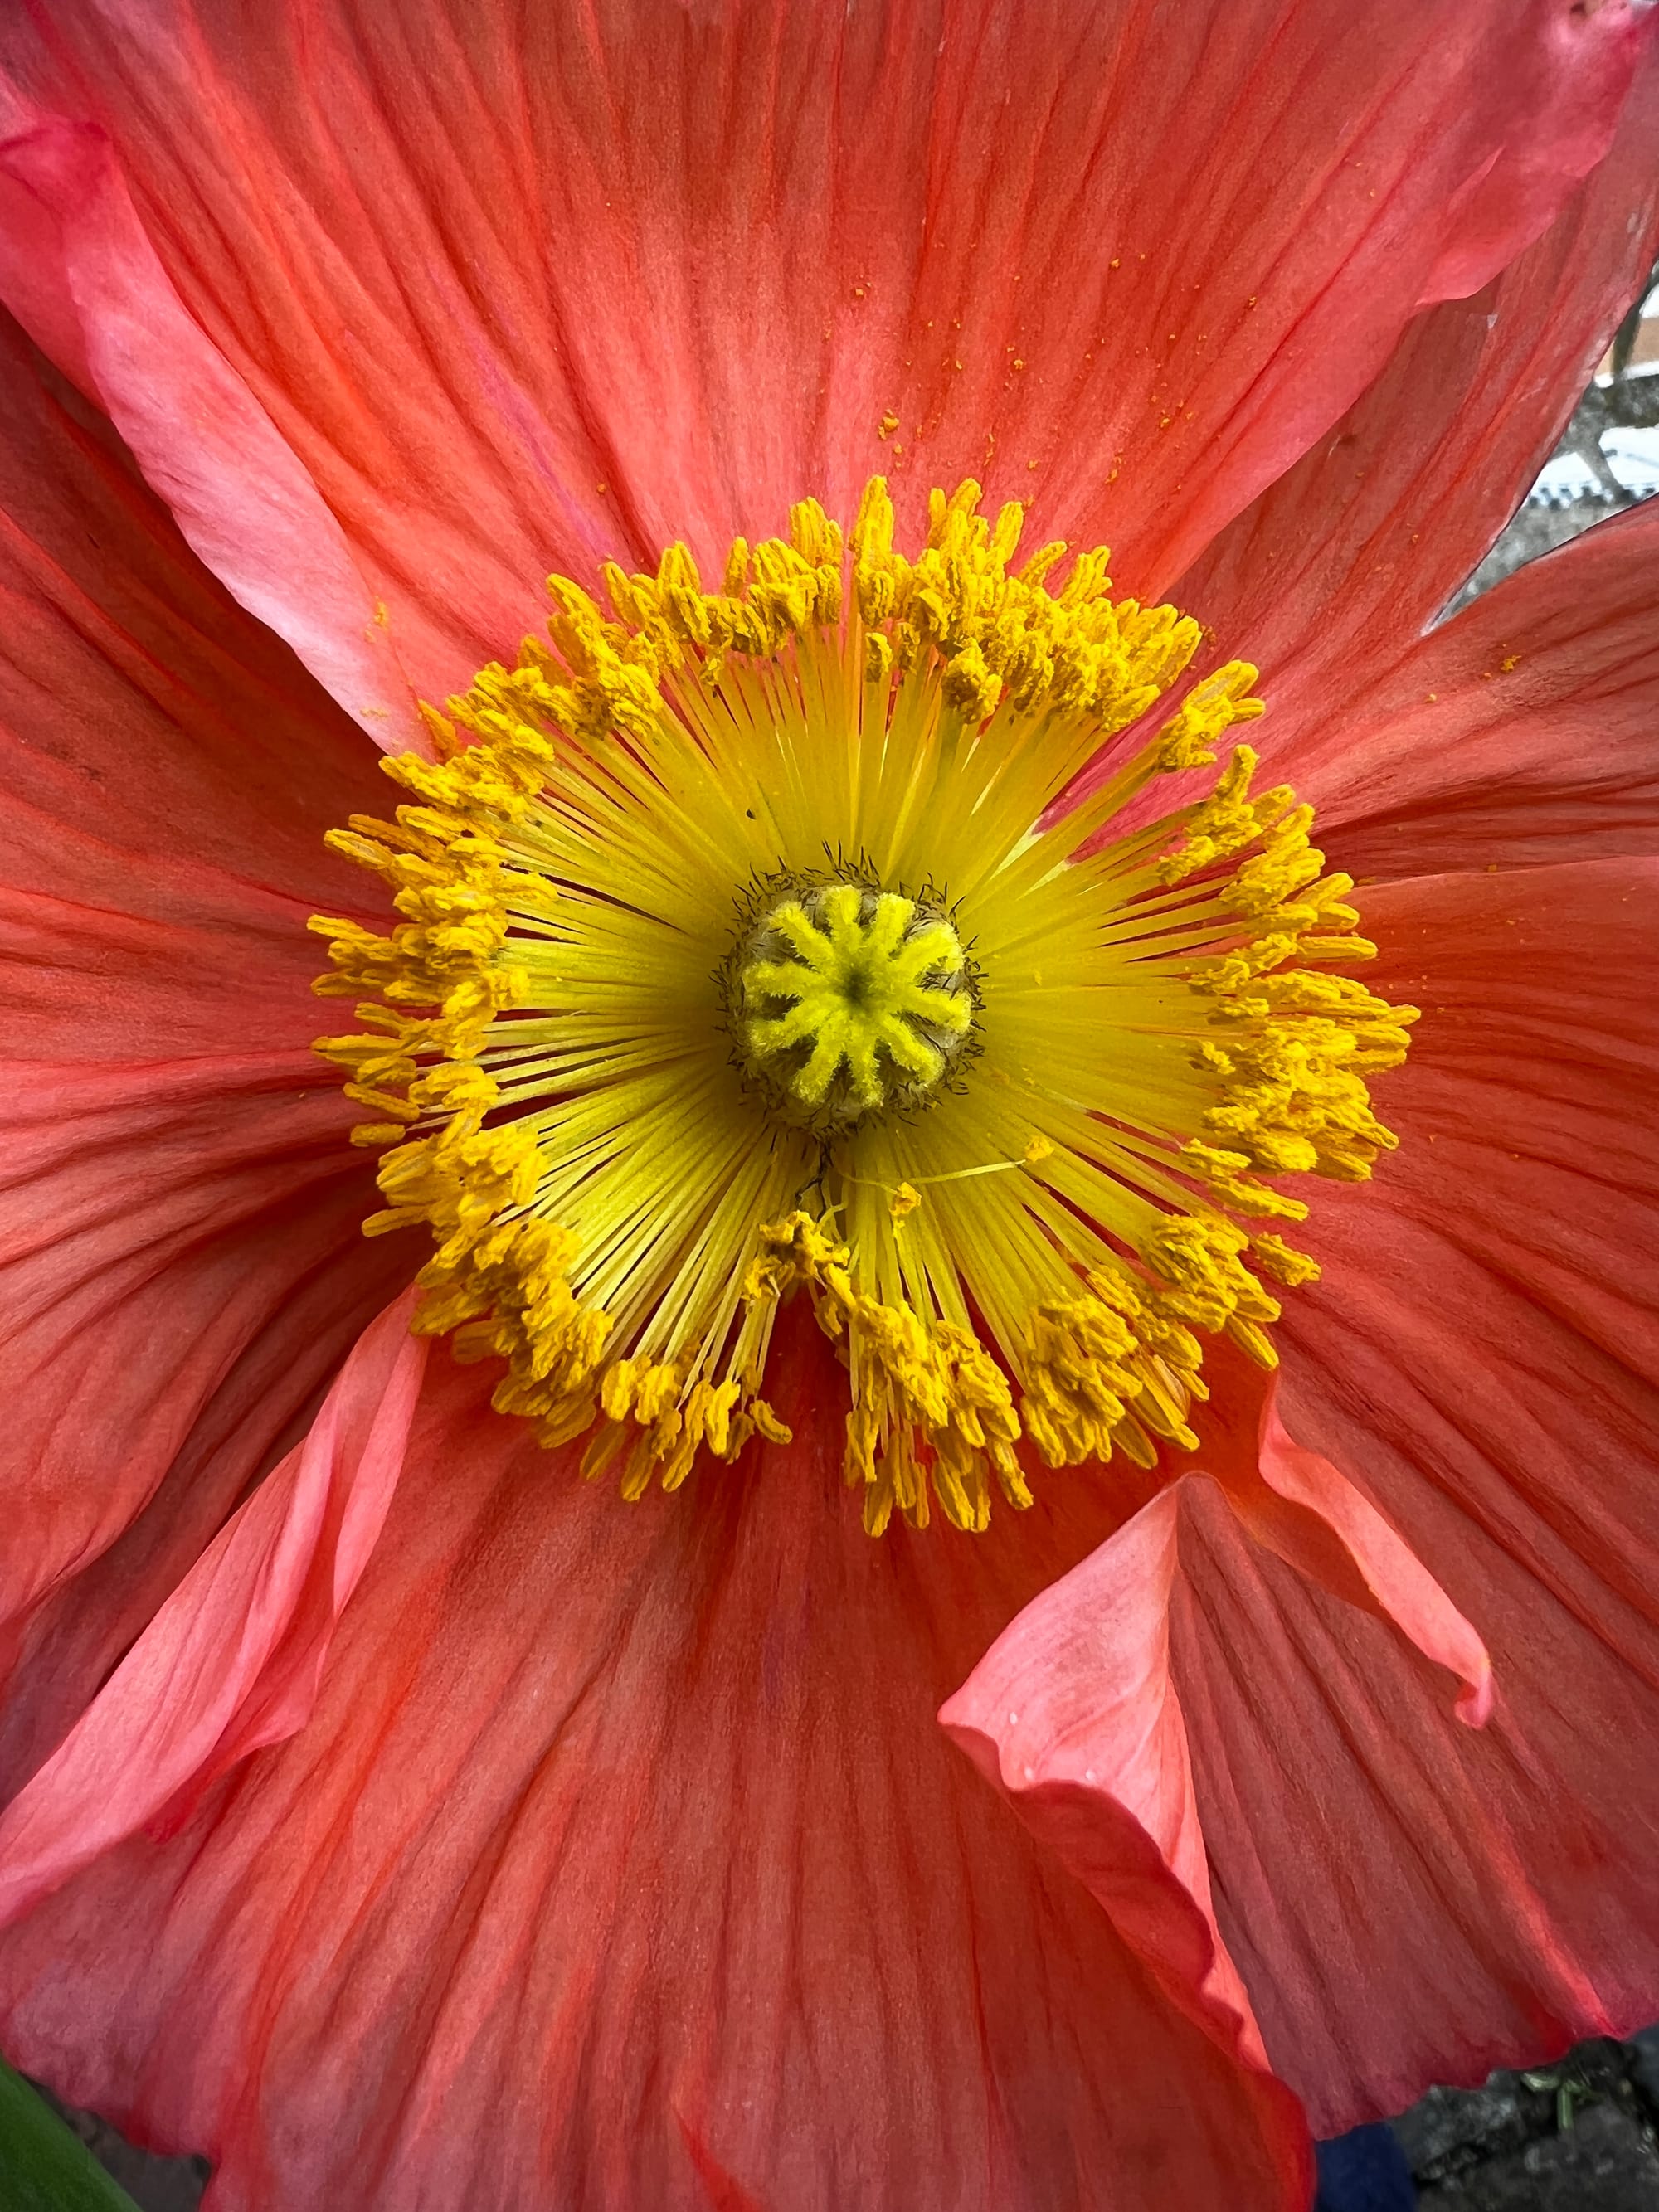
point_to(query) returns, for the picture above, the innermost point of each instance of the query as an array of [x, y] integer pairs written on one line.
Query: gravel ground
[[1579, 2136]]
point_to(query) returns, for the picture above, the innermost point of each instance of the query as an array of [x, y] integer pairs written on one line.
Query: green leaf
[[43, 2167]]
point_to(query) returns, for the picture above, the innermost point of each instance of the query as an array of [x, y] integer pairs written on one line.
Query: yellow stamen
[[727, 925]]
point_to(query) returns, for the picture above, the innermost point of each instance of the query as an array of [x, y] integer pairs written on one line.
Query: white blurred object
[[1564, 480], [1632, 460], [1633, 457]]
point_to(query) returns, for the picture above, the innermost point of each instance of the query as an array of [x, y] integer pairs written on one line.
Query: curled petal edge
[[232, 1661], [1074, 1716], [83, 278]]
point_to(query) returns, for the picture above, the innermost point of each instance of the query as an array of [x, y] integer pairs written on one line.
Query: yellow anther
[[1281, 1258], [1210, 709]]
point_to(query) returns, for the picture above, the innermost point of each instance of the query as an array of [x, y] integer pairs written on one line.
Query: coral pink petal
[[1567, 73], [1297, 1504], [1328, 579], [1409, 1900], [518, 292], [632, 1825], [1400, 1586], [1072, 1714], [1525, 731], [232, 1661], [181, 1261], [243, 500], [182, 1264]]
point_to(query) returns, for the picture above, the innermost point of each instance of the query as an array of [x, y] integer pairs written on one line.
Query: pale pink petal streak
[[233, 1660], [1296, 1503], [1072, 1714], [91, 281], [1300, 1506]]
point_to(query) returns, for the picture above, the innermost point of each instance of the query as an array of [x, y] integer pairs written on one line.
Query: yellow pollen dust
[[868, 984], [898, 931]]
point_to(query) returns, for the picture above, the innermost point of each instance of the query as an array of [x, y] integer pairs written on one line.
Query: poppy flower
[[1085, 1320]]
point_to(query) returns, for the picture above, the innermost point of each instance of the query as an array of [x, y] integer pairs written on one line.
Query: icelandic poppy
[[1041, 1198]]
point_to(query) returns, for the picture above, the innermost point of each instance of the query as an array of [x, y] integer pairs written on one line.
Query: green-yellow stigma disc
[[852, 999], [1012, 1095]]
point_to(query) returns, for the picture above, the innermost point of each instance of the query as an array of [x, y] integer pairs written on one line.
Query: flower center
[[849, 1000], [1022, 1150]]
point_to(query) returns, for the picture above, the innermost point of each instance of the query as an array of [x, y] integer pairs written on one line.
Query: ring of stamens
[[633, 1131]]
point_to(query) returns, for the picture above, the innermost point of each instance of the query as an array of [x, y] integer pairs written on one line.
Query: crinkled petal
[[518, 291], [1523, 732], [622, 1863], [1410, 1901], [232, 1661], [1330, 577], [1294, 1503], [1072, 1712], [242, 498], [1576, 81], [181, 1261]]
